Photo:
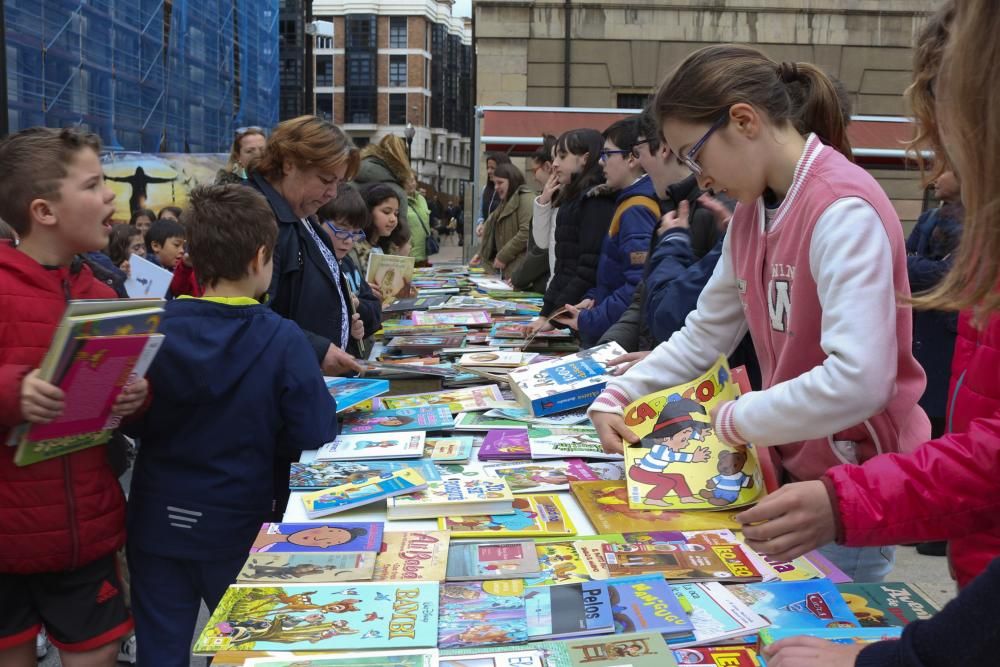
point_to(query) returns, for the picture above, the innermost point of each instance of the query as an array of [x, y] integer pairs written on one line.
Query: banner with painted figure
[[148, 180]]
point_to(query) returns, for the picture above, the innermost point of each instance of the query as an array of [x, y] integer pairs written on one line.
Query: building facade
[[394, 64]]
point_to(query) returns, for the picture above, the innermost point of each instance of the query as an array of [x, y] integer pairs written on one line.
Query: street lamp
[[409, 132], [440, 161]]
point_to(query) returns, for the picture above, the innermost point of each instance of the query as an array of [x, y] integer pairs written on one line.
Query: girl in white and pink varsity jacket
[[813, 265]]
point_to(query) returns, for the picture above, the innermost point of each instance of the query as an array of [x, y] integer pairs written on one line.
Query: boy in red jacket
[[62, 520]]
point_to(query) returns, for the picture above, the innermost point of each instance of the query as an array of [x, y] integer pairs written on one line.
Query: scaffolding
[[146, 75]]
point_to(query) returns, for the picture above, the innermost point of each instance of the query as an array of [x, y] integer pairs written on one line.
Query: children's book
[[392, 274], [560, 561], [419, 658], [318, 537], [537, 515], [404, 419], [886, 604], [323, 617], [680, 463], [491, 285], [680, 561], [836, 635], [462, 318], [606, 505], [408, 328], [425, 343], [456, 449], [566, 383], [493, 658], [541, 476], [307, 568], [640, 649], [572, 418], [647, 604], [505, 445], [412, 556], [717, 614], [497, 360], [429, 366], [567, 611], [482, 613], [362, 446], [415, 303], [146, 280], [513, 559], [352, 391], [715, 656], [457, 400], [805, 605], [355, 494], [557, 442], [317, 475], [454, 494], [480, 421]]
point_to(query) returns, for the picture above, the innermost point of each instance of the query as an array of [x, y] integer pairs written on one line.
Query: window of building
[[360, 29], [632, 100], [397, 109], [324, 105], [360, 69], [397, 71], [324, 70], [397, 32]]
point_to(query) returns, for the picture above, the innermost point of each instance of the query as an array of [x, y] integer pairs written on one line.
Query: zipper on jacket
[[67, 474], [954, 399]]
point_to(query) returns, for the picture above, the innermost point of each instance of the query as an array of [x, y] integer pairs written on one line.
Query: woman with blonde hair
[[248, 145], [387, 162]]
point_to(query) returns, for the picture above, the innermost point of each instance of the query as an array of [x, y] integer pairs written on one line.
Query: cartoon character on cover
[[519, 520], [388, 420], [285, 571], [283, 629], [674, 428], [308, 539], [371, 444], [724, 488]]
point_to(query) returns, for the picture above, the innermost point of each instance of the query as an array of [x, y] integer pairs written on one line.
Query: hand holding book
[[131, 398], [41, 401], [612, 431], [793, 520]]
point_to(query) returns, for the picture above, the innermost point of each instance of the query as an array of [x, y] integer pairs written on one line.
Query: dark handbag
[[431, 244]]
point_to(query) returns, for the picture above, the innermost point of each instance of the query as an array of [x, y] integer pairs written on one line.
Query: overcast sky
[[462, 8]]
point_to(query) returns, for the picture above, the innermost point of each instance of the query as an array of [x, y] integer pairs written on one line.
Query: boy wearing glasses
[[343, 218]]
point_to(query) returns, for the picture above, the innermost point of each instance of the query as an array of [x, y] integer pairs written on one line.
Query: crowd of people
[[727, 219]]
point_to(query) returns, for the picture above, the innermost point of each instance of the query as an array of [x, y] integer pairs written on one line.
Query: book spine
[[577, 398]]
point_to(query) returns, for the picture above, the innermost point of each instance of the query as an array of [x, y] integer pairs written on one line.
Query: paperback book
[[425, 343], [566, 383], [606, 505], [541, 476], [560, 561], [494, 658], [418, 658], [861, 636], [362, 446], [641, 649], [456, 449], [505, 445], [557, 442], [681, 562], [805, 605], [717, 615], [886, 604], [350, 495], [318, 537], [537, 515], [714, 656], [481, 421], [350, 392], [463, 318], [482, 613], [572, 418], [307, 568], [393, 274], [647, 604], [415, 303], [416, 555], [457, 400], [317, 475], [568, 611], [404, 419], [497, 360], [513, 559], [454, 494]]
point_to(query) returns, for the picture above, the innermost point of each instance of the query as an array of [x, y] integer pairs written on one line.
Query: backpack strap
[[637, 200]]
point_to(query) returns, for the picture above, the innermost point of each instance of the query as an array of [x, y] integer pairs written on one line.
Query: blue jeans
[[862, 564]]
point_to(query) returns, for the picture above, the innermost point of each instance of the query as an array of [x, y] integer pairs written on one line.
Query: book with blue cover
[[647, 604], [805, 605], [568, 610], [430, 418], [355, 494], [482, 613], [836, 635], [565, 383], [351, 391], [316, 475]]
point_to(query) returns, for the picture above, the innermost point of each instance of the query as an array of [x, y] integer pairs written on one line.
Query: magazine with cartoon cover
[[361, 446], [323, 617], [322, 537], [307, 568], [606, 505], [679, 462], [404, 419], [482, 613], [356, 494], [557, 442], [565, 383], [414, 555], [314, 475], [493, 559], [541, 476], [646, 602], [685, 560], [505, 445]]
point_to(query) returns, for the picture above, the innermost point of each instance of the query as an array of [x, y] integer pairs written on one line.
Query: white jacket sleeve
[[542, 221]]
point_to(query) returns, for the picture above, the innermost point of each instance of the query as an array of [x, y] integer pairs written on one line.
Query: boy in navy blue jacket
[[234, 382]]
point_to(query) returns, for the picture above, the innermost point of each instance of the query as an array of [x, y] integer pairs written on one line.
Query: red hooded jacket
[[63, 513], [946, 489]]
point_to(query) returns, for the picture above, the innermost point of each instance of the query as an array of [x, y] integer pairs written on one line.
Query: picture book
[[146, 280], [480, 421], [560, 561], [425, 343], [716, 656], [557, 442], [325, 474], [415, 303], [640, 649], [533, 515], [567, 611], [455, 449], [412, 556], [513, 559], [681, 561], [429, 366], [717, 614], [457, 400], [482, 613], [886, 604], [323, 617], [514, 658], [318, 537], [355, 494], [408, 328], [454, 494], [573, 381], [491, 285], [351, 391], [680, 463], [805, 605], [647, 604], [419, 658], [307, 568], [541, 476], [505, 445], [572, 418], [462, 318], [516, 330], [401, 445], [836, 635], [606, 505], [403, 419], [498, 360], [393, 274]]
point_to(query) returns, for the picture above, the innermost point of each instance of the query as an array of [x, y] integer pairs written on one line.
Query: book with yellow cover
[[606, 505], [454, 494], [416, 555], [533, 516]]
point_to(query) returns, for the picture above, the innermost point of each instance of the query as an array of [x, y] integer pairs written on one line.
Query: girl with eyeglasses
[[813, 265]]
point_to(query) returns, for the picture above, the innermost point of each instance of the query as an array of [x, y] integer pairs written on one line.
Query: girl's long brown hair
[[968, 97]]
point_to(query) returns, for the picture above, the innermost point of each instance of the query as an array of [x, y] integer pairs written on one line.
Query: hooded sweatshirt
[[232, 384]]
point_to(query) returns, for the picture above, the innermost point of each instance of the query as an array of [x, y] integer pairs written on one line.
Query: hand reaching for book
[[811, 652], [338, 362], [793, 520], [611, 429], [131, 399], [41, 401], [619, 365]]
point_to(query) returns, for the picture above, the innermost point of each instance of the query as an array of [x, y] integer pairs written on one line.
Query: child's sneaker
[[126, 652], [41, 644]]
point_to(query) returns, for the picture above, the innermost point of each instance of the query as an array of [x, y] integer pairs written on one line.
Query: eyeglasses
[[344, 234], [688, 159], [605, 153], [240, 131]]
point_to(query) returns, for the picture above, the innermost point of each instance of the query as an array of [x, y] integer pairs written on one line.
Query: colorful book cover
[[415, 303], [641, 649], [570, 610], [307, 568], [505, 445], [606, 505], [557, 442], [404, 419], [572, 418], [717, 656], [513, 559], [449, 450], [425, 343], [479, 421], [498, 360], [453, 494], [886, 604], [420, 658], [316, 475], [680, 463], [717, 614], [518, 657], [647, 604], [805, 605], [836, 635], [355, 494], [318, 537], [457, 400], [541, 476], [573, 381], [533, 515], [412, 556], [482, 613], [464, 318], [400, 445], [681, 561], [560, 561], [323, 617], [350, 392], [393, 274]]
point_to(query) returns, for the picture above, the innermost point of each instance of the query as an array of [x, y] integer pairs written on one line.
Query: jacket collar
[[643, 186], [803, 168], [282, 210]]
